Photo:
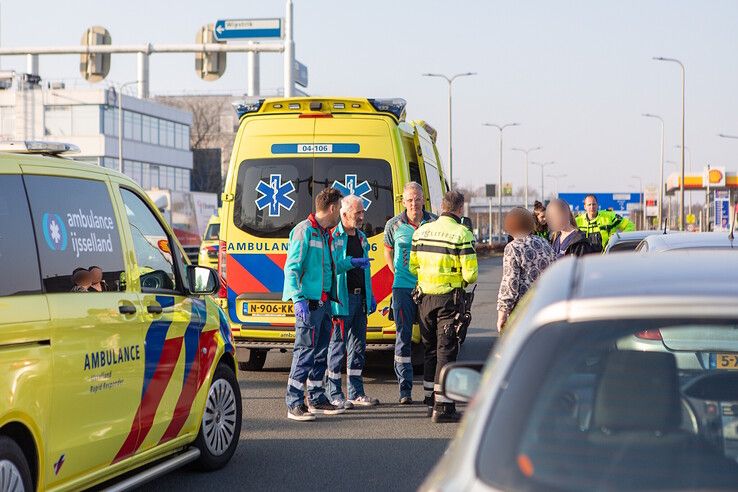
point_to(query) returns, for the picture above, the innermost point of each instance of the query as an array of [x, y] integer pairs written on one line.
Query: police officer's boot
[[428, 401], [445, 413]]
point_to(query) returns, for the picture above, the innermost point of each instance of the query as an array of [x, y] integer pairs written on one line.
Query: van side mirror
[[460, 380], [202, 280]]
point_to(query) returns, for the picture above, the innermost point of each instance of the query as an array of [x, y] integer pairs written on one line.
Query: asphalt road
[[384, 448]]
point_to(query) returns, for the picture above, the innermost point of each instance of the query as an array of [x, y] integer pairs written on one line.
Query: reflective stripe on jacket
[[599, 229], [443, 256], [339, 243]]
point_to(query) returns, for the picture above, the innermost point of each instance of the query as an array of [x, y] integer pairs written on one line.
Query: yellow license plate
[[726, 361], [268, 309]]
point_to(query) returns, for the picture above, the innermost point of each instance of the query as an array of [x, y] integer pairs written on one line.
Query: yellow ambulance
[[113, 355], [286, 151], [209, 246]]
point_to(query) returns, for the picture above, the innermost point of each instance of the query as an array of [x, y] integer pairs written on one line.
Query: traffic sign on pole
[[301, 74], [94, 67], [209, 66], [226, 29]]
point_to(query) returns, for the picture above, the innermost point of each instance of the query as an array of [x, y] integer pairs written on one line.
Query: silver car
[[660, 243], [562, 405], [621, 242]]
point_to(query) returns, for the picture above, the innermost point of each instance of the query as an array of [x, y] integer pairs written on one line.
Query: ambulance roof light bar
[[38, 147], [395, 107], [248, 105]]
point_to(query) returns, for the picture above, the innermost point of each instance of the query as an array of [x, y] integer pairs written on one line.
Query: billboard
[[620, 203]]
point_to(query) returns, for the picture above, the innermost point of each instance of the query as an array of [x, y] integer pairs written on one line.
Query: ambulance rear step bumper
[[162, 468], [289, 345]]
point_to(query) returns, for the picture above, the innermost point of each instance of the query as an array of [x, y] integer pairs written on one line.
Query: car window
[[623, 246], [77, 235], [212, 231], [18, 258], [152, 246], [618, 406]]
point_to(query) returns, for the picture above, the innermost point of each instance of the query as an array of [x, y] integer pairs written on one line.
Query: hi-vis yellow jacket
[[443, 256]]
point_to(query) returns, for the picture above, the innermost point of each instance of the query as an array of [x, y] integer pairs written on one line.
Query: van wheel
[[418, 358], [15, 476], [220, 428], [257, 359]]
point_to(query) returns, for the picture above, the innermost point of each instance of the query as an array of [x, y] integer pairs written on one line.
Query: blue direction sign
[[617, 202], [248, 29]]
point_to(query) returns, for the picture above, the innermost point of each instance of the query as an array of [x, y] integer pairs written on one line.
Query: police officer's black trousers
[[436, 313]]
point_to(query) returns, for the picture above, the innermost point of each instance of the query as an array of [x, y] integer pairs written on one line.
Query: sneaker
[[406, 400], [300, 413], [365, 401], [445, 413], [341, 403], [325, 408]]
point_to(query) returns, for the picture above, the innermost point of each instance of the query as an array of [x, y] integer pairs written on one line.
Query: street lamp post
[[120, 122], [643, 208], [661, 167], [689, 168], [526, 152], [556, 178], [500, 128], [450, 81], [542, 165], [681, 187]]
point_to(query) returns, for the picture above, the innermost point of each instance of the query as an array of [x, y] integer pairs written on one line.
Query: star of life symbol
[[55, 232], [350, 187], [275, 195]]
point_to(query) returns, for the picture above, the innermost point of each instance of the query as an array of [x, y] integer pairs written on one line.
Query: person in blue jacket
[[355, 302], [309, 282]]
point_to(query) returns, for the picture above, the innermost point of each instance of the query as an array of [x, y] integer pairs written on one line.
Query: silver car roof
[[686, 240]]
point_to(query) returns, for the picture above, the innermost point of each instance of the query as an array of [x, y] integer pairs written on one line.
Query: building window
[[7, 121], [127, 125], [146, 129], [110, 121], [58, 120], [137, 124], [154, 131]]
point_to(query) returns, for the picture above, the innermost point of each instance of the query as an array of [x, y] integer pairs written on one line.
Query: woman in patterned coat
[[525, 257]]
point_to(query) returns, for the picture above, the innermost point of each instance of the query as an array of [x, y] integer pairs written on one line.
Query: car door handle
[[154, 309], [127, 309]]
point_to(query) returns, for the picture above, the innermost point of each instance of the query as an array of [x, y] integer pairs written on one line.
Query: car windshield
[[212, 231], [618, 406], [273, 195]]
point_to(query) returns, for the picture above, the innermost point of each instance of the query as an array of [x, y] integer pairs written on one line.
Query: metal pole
[[289, 52], [527, 165], [661, 169], [499, 195], [32, 64], [489, 227], [143, 75], [708, 200], [252, 79], [120, 123], [450, 138]]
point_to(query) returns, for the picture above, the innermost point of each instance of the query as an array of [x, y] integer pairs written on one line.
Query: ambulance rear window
[[273, 195]]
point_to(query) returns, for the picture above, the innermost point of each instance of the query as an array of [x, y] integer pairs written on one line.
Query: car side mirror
[[202, 280], [460, 380]]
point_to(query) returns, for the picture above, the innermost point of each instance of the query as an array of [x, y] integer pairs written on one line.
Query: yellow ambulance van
[[113, 355], [286, 151]]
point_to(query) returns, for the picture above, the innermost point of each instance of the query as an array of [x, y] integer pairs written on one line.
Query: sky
[[576, 75]]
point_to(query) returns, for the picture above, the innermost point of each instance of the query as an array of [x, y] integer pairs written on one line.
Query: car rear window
[[18, 259], [618, 406], [273, 195]]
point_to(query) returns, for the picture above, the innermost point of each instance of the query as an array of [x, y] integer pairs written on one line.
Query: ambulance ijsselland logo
[[349, 187], [275, 195], [55, 232]]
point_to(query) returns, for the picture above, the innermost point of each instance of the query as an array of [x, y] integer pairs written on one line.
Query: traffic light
[[209, 66], [94, 67]]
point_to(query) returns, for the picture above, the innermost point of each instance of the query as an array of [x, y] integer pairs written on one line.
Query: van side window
[[415, 173], [435, 193], [152, 246], [76, 234], [19, 273]]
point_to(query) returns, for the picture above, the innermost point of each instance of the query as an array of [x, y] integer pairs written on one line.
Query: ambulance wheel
[[418, 358], [220, 428], [257, 358], [14, 472]]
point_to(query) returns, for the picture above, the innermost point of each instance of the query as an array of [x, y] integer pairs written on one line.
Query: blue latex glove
[[302, 311], [373, 306], [361, 262]]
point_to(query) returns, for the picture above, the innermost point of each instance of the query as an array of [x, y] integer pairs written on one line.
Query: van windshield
[[273, 195]]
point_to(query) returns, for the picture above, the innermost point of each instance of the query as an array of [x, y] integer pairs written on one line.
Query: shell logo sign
[[716, 176]]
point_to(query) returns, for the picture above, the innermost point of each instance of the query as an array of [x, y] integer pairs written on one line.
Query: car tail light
[[649, 335], [223, 292]]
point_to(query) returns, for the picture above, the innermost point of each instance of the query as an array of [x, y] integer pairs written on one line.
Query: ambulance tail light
[[395, 107], [223, 291], [249, 105]]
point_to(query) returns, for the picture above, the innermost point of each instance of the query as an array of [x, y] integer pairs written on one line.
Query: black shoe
[[300, 413], [428, 402], [444, 413], [325, 408], [406, 400]]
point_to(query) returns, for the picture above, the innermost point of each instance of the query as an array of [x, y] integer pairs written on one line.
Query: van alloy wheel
[[10, 477], [219, 419]]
